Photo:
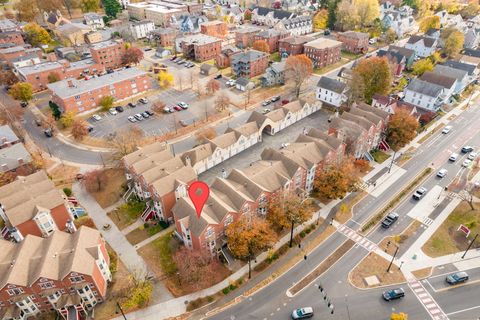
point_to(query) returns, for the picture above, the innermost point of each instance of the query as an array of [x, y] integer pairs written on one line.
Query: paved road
[[273, 303]]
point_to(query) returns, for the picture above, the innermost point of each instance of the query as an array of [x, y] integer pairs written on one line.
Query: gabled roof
[[395, 56], [458, 74], [460, 65], [292, 40], [199, 153], [408, 53], [246, 129], [182, 176], [472, 53], [439, 78], [355, 35], [428, 42], [331, 85], [360, 120], [248, 56], [277, 14], [143, 152], [425, 88]]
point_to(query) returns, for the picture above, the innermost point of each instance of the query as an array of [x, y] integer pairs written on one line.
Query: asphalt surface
[[350, 303]]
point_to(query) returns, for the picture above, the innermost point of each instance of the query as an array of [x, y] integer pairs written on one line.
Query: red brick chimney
[[70, 83]]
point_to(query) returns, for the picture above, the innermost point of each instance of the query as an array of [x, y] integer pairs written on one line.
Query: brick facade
[[249, 64], [244, 37], [201, 47], [214, 28], [11, 37], [355, 42], [323, 52], [108, 53], [272, 38], [293, 45]]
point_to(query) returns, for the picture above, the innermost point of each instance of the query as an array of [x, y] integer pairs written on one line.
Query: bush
[[146, 225], [303, 234], [67, 191], [163, 224], [226, 290]]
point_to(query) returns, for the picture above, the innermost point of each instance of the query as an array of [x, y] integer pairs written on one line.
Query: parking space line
[[463, 310]]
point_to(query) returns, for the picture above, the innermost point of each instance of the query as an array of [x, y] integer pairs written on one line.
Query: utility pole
[[391, 163], [121, 310], [470, 245], [390, 265]]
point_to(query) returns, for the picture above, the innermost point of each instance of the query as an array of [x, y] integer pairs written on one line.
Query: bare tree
[[222, 102], [126, 141], [467, 194]]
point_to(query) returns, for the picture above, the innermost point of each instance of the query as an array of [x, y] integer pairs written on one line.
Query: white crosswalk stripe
[[427, 221], [353, 235], [427, 300]]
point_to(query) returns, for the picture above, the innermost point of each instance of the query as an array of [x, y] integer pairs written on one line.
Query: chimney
[[12, 263], [20, 161], [52, 57], [70, 83], [224, 173], [70, 226]]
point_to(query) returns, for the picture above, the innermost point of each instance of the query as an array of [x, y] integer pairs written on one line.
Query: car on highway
[[447, 129], [467, 149], [389, 220], [119, 108], [132, 119], [419, 193], [266, 103], [183, 105], [302, 313], [472, 156], [453, 157], [442, 173], [178, 108], [466, 163], [96, 117], [275, 99], [112, 111], [138, 116], [393, 294], [145, 115], [456, 278]]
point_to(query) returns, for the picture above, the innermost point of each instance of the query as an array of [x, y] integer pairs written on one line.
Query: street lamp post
[[119, 307], [391, 262], [470, 245]]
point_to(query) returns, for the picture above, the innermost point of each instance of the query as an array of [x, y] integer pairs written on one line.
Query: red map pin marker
[[198, 192]]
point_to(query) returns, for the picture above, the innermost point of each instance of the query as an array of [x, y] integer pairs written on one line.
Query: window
[[77, 97], [47, 285], [15, 291], [77, 279]]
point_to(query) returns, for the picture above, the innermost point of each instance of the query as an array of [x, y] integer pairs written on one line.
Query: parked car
[[132, 105], [442, 173], [285, 101], [284, 145], [150, 113], [457, 277], [143, 100], [393, 294], [447, 129], [265, 111], [173, 58], [97, 117], [183, 123], [38, 122], [179, 62], [467, 149], [389, 220], [90, 128], [178, 108], [24, 104], [453, 157], [302, 313], [218, 76], [419, 193], [145, 115], [138, 116], [112, 111], [183, 105], [266, 103], [466, 163], [48, 132], [326, 32], [472, 156], [167, 110], [119, 108], [132, 119]]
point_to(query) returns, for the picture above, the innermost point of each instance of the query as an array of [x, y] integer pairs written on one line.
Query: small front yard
[[127, 213], [331, 67], [374, 265], [447, 240], [144, 232], [379, 156], [275, 57], [113, 190]]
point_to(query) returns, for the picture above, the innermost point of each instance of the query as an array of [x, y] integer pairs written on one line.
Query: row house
[[9, 52], [323, 51], [361, 129], [355, 42], [399, 58], [14, 37], [472, 71], [332, 91], [247, 191], [82, 95], [423, 46], [108, 53], [274, 75], [270, 17], [214, 28], [141, 29], [245, 37], [223, 59], [249, 64], [32, 205], [392, 105], [461, 76], [272, 38], [67, 272], [199, 47], [424, 94], [296, 26], [188, 23], [7, 137], [447, 82], [292, 45]]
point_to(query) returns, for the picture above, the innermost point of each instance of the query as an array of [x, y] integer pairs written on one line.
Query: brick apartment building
[[323, 51], [292, 45], [214, 28], [32, 205], [11, 37], [355, 42], [164, 37], [271, 37], [38, 74], [9, 52], [245, 37], [200, 47], [67, 272], [249, 64], [223, 59], [82, 95], [108, 53]]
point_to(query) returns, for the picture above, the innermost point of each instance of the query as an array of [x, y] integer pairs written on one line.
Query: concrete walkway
[[154, 237]]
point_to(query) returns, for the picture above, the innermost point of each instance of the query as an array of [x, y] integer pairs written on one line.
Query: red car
[[285, 102], [178, 108]]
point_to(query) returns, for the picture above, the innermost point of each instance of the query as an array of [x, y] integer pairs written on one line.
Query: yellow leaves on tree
[[429, 23], [287, 209], [402, 128], [320, 20], [375, 76], [67, 119], [36, 35], [399, 316], [139, 295], [422, 66], [165, 79], [454, 43]]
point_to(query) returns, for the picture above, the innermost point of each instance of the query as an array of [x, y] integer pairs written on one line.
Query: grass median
[[396, 200]]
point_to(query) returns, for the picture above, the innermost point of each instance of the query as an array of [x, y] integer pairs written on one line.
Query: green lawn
[[379, 156], [275, 57], [127, 213]]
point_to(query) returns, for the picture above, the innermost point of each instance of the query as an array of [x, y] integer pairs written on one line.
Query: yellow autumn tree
[[320, 20], [165, 79]]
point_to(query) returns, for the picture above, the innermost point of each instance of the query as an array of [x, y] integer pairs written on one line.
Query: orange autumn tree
[[374, 75], [298, 69], [249, 236], [261, 45], [335, 182]]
